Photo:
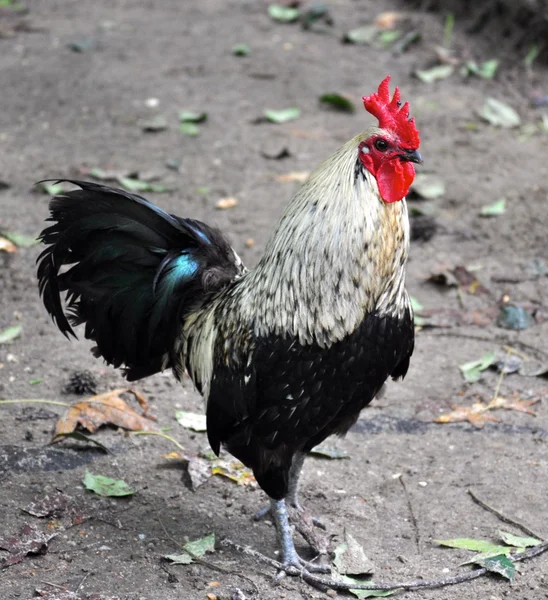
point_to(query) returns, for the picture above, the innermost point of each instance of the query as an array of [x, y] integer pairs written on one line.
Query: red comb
[[392, 115]]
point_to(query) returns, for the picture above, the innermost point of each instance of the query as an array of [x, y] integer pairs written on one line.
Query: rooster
[[284, 354]]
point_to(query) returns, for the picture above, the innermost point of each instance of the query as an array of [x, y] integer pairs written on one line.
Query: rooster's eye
[[381, 145]]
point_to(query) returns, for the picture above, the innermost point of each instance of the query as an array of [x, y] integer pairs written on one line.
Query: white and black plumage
[[285, 354]]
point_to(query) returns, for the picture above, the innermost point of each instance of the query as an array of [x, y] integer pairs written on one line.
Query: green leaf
[[328, 452], [486, 70], [364, 36], [337, 101], [471, 371], [495, 209], [365, 593], [190, 420], [190, 129], [499, 114], [241, 50], [9, 334], [282, 116], [415, 304], [283, 14], [51, 189], [475, 545], [36, 381], [136, 185], [105, 486], [387, 38], [428, 186], [435, 73], [499, 564], [157, 123], [189, 116], [196, 549], [21, 240], [518, 542]]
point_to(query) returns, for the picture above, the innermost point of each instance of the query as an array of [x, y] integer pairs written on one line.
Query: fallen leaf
[[48, 505], [515, 318], [21, 240], [282, 116], [534, 369], [10, 334], [195, 549], [82, 45], [105, 409], [283, 14], [241, 50], [157, 123], [30, 540], [198, 471], [499, 114], [52, 188], [361, 594], [190, 420], [517, 541], [107, 487], [428, 186], [471, 371], [338, 102], [190, 116], [475, 545], [235, 471], [485, 70], [350, 558], [137, 185], [365, 35], [514, 403], [6, 245], [498, 564], [435, 73], [225, 203], [292, 176], [495, 209], [190, 129], [329, 452], [387, 38], [477, 415]]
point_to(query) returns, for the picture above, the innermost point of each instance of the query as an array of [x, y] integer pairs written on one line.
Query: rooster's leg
[[285, 534]]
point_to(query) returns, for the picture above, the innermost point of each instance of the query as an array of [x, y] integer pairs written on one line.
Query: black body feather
[[289, 398], [135, 273]]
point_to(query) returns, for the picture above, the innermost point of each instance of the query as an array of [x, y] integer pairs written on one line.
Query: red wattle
[[394, 178]]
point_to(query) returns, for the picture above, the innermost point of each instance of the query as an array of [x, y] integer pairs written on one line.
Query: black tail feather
[[134, 273]]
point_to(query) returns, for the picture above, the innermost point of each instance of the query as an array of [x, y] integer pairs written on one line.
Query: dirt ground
[[63, 110]]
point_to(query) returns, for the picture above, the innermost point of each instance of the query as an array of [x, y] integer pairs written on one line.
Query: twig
[[501, 376], [412, 513], [325, 582], [35, 401], [503, 517], [160, 434]]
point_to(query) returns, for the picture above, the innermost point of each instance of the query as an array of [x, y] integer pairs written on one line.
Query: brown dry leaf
[[6, 245], [476, 414], [225, 203], [299, 176], [389, 19], [106, 409], [514, 403], [30, 540], [235, 471]]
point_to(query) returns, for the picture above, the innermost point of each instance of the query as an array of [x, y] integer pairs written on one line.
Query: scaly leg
[[285, 534]]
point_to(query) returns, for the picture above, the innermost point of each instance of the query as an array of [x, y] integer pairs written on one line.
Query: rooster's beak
[[411, 156]]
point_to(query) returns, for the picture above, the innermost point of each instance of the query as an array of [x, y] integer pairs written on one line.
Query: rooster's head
[[389, 152]]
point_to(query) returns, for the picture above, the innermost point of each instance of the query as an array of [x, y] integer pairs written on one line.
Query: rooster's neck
[[337, 254]]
